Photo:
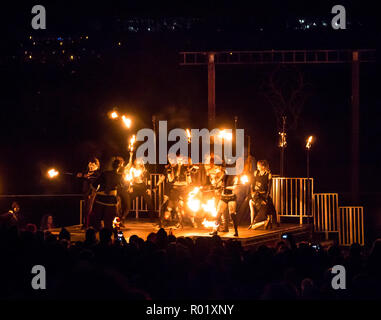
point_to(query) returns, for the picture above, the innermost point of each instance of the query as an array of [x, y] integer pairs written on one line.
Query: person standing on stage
[[91, 174], [135, 178], [176, 178], [105, 204], [262, 210], [227, 204]]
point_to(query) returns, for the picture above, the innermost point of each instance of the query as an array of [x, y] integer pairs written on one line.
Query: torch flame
[[52, 173], [309, 142], [126, 121], [224, 134], [189, 135], [114, 115], [132, 142]]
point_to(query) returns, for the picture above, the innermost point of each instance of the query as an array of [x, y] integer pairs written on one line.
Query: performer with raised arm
[[105, 204], [262, 209]]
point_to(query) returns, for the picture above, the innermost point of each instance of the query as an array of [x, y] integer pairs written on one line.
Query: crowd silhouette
[[168, 268]]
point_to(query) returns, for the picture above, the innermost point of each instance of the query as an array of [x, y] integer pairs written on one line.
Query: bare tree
[[287, 92]]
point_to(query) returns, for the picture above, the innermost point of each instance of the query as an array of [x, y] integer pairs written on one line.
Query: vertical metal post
[[355, 126], [211, 91]]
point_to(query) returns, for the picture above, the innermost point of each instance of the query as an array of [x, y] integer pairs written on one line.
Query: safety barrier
[[292, 197], [351, 230], [326, 207]]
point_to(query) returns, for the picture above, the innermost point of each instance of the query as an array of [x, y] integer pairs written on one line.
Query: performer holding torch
[[105, 204], [91, 174]]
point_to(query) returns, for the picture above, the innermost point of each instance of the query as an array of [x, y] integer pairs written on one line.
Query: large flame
[[194, 204], [131, 174], [244, 179], [210, 207], [52, 173]]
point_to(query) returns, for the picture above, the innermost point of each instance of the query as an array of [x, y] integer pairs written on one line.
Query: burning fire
[[132, 142], [194, 204], [116, 223], [224, 134], [244, 179], [113, 115], [131, 174], [52, 173], [126, 121], [210, 207], [209, 224], [309, 142], [189, 135]]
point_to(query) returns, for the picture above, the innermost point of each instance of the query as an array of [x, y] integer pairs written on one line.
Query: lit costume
[[262, 210], [106, 199], [227, 203]]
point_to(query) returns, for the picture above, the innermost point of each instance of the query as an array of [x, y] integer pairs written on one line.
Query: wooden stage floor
[[143, 228]]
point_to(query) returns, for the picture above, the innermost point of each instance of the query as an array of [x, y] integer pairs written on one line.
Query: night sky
[[54, 113]]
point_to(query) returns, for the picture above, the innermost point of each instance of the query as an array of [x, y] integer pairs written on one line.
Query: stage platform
[[143, 228]]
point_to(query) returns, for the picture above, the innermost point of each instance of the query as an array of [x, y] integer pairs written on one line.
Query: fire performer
[[135, 177], [89, 193], [227, 204], [262, 210], [177, 179], [105, 204]]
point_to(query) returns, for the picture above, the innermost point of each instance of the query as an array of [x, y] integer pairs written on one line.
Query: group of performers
[[109, 193]]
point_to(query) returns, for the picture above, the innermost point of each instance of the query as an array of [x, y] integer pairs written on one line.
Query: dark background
[[53, 112]]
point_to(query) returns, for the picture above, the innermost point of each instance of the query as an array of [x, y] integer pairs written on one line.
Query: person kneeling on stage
[[227, 205], [105, 204], [262, 209]]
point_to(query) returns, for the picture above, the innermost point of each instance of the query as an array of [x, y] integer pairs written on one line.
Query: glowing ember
[[132, 142], [244, 179], [126, 121], [52, 173], [309, 142], [282, 139], [209, 224]]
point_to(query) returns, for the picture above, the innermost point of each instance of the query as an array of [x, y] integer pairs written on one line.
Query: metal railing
[[351, 225], [326, 207], [292, 197]]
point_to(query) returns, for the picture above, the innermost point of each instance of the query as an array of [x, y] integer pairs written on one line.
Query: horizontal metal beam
[[276, 57]]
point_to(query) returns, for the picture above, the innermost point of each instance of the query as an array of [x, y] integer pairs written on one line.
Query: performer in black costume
[[176, 176], [227, 203], [91, 174], [262, 210], [105, 204]]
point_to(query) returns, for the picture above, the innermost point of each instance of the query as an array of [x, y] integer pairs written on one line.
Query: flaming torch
[[52, 173], [308, 149], [113, 115], [132, 142], [189, 135], [127, 121]]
